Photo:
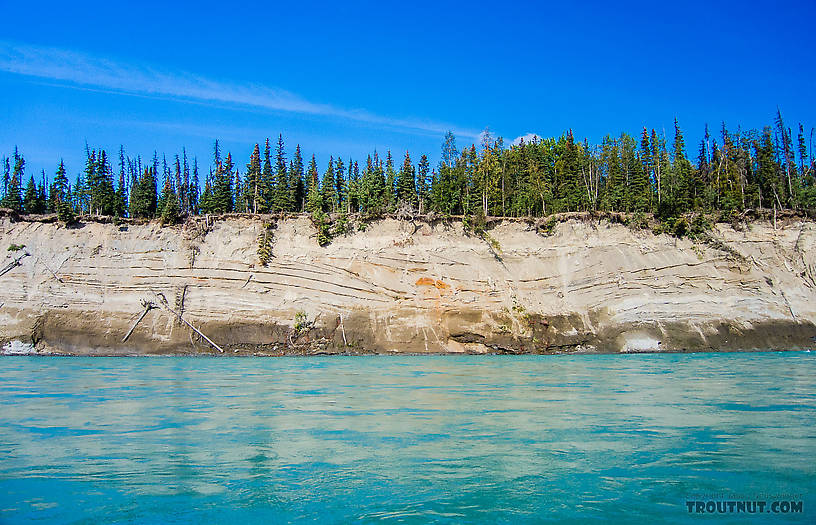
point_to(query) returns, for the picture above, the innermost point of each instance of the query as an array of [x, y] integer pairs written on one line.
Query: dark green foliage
[[98, 183], [297, 182], [143, 200], [735, 171], [423, 183], [222, 186], [342, 226], [340, 190], [12, 197], [321, 223], [406, 192], [389, 199], [314, 199], [265, 244], [253, 190], [170, 204], [60, 197], [328, 191], [283, 191], [31, 196], [699, 226], [266, 183], [679, 227]]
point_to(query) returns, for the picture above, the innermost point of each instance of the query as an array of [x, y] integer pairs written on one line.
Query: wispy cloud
[[82, 70], [527, 138]]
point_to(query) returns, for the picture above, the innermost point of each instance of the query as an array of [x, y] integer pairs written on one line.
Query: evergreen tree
[[406, 183], [30, 197], [170, 209], [144, 199], [314, 198], [194, 190], [282, 190], [242, 201], [222, 184], [60, 196], [423, 183], [13, 198], [267, 182], [328, 189], [6, 175], [297, 186], [390, 179], [252, 182], [340, 190]]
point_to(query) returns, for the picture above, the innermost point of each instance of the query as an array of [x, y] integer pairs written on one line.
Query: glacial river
[[496, 439]]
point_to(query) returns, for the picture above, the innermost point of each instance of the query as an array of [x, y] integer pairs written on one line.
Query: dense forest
[[736, 170]]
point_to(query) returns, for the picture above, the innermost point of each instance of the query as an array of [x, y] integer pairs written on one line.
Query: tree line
[[737, 170]]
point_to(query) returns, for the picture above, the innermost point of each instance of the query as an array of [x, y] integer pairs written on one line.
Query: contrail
[[78, 70]]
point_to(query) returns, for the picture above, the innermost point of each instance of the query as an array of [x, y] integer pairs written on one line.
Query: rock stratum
[[404, 287]]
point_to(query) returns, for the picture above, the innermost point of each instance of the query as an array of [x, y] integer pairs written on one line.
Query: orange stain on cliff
[[427, 281]]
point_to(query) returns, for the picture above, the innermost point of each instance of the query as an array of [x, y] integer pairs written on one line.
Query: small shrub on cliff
[[679, 227], [548, 227], [638, 221], [699, 226], [321, 224], [265, 244], [342, 226], [301, 321], [15, 247]]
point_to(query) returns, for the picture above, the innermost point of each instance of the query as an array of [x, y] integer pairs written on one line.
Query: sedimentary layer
[[405, 287]]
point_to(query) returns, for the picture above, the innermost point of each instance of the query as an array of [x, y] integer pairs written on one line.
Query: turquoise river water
[[470, 439]]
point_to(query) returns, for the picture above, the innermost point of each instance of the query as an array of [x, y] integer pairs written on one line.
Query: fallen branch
[[13, 264], [164, 305], [49, 269], [147, 307]]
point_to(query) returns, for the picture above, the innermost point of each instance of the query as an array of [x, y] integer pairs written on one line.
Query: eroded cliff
[[402, 286]]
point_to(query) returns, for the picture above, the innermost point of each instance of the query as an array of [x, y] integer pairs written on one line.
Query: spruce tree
[[328, 188], [340, 184], [314, 199], [60, 197], [252, 181], [423, 183], [390, 180], [193, 193], [170, 209], [266, 191], [30, 197], [13, 198], [222, 186], [406, 183], [297, 186], [282, 190], [6, 175]]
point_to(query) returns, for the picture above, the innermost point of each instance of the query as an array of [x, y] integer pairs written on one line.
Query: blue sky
[[348, 78]]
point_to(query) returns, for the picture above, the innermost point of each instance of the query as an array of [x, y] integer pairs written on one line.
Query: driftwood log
[[13, 264], [148, 305], [165, 306]]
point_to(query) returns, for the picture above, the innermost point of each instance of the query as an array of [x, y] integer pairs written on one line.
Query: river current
[[470, 439]]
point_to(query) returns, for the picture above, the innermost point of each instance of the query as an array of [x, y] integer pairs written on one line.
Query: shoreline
[[49, 353]]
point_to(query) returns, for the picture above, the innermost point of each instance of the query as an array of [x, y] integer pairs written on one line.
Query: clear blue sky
[[345, 78]]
